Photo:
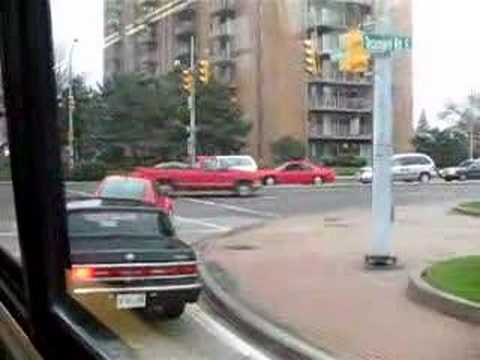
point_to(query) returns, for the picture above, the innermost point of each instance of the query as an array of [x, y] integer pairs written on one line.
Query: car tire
[[244, 189], [448, 179], [424, 178], [462, 177], [269, 180], [166, 189], [317, 181], [173, 310]]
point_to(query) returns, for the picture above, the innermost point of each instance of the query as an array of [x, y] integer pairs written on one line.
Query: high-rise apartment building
[[340, 105], [255, 46]]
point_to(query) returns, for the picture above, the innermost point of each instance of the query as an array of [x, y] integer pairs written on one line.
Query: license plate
[[131, 301]]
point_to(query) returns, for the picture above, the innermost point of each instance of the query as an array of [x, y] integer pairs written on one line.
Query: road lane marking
[[202, 223], [220, 331], [235, 208]]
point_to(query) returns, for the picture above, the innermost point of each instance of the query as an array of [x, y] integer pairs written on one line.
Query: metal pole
[[382, 204], [71, 105], [472, 134], [191, 104]]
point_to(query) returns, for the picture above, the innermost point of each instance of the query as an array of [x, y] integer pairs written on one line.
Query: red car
[[208, 175], [128, 187], [297, 172]]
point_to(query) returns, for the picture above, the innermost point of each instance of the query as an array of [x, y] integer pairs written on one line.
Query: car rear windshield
[[128, 223], [123, 189]]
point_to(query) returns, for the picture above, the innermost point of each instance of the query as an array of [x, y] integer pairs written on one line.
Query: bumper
[[155, 294]]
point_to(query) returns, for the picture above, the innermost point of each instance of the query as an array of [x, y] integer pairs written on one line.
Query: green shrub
[[88, 171], [287, 148], [344, 161]]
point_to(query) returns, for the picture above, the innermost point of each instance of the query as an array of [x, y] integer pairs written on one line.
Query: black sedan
[[130, 252]]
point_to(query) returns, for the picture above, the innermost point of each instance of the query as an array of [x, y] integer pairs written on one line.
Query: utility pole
[[192, 140], [71, 107], [381, 252], [472, 119]]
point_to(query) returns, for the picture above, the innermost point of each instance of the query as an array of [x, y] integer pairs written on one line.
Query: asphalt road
[[199, 219]]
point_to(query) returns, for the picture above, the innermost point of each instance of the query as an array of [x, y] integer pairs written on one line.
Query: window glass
[[8, 221], [167, 81], [126, 189], [118, 223]]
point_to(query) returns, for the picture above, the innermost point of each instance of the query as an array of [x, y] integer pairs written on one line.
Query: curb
[[272, 338], [420, 291], [466, 211]]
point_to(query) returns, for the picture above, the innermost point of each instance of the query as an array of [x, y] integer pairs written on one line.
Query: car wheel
[[447, 179], [317, 180], [462, 177], [244, 189], [424, 178], [173, 310], [166, 189], [269, 180]]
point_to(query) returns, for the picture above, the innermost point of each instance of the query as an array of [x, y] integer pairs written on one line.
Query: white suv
[[406, 167]]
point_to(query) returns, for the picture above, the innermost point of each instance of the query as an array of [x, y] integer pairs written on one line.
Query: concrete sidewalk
[[306, 275]]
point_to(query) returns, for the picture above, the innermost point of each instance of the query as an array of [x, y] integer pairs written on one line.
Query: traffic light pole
[[381, 252], [192, 140]]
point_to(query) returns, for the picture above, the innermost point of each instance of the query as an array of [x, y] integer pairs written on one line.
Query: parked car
[[405, 167], [471, 172], [298, 172], [135, 188], [129, 251], [458, 172], [210, 174]]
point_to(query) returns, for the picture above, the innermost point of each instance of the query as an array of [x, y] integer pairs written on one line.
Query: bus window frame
[[34, 292]]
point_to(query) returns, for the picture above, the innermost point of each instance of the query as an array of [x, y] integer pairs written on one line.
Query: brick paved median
[[306, 275]]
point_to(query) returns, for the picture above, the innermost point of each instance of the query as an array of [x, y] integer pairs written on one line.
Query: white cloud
[[445, 53], [81, 19]]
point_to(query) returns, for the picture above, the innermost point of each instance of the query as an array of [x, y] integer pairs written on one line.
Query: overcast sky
[[446, 53]]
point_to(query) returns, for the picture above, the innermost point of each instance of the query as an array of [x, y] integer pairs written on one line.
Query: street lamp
[[71, 107]]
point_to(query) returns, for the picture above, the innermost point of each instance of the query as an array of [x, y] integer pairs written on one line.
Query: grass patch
[[469, 208], [346, 171], [472, 205], [459, 276]]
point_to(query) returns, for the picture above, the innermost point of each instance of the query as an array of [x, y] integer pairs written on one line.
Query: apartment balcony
[[222, 7], [366, 3], [342, 79], [182, 53], [222, 30], [325, 23], [184, 29], [223, 57], [341, 104], [339, 134]]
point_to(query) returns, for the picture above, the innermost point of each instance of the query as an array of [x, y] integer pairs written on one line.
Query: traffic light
[[355, 58], [311, 65], [203, 71], [187, 81]]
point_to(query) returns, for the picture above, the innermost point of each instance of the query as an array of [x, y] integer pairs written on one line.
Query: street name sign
[[382, 44]]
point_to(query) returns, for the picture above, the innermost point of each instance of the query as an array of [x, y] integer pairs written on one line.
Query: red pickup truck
[[208, 175]]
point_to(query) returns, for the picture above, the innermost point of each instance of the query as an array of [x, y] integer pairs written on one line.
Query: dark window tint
[[101, 223], [124, 189], [293, 167]]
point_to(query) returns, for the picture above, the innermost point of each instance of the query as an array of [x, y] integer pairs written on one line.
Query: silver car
[[405, 167]]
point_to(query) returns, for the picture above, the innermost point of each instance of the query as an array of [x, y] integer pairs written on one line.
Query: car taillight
[[94, 273], [82, 274]]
